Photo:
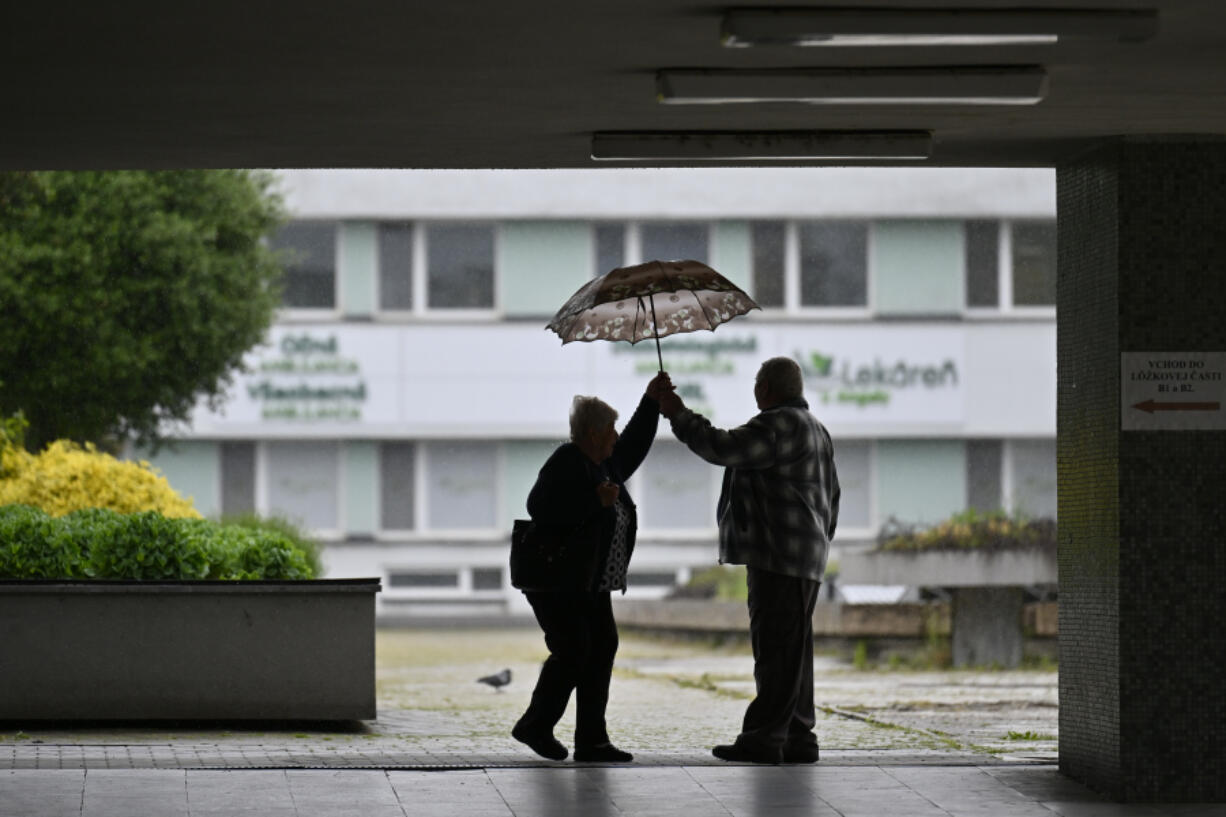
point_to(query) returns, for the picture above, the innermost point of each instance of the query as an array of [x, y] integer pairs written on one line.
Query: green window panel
[[541, 263], [920, 481], [918, 267], [522, 461], [732, 252], [193, 468], [361, 481], [358, 269]]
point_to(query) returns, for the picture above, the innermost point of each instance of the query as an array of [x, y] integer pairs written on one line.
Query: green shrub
[[720, 582], [971, 530], [286, 530], [146, 546], [29, 548]]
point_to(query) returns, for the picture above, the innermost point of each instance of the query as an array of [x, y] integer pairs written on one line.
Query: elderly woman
[[582, 487]]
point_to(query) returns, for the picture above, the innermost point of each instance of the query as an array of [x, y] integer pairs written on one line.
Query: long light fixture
[[901, 26], [957, 85], [809, 145]]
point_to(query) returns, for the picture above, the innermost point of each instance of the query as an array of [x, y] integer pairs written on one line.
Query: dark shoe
[[738, 754], [547, 746], [601, 753], [807, 753]]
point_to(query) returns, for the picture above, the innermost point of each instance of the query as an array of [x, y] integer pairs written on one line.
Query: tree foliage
[[128, 296]]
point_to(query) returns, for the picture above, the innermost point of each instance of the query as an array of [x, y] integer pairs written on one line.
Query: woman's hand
[[660, 385], [607, 493]]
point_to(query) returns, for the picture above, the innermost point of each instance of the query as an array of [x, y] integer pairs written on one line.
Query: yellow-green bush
[[66, 477]]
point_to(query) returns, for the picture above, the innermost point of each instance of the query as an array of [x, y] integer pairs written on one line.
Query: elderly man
[[777, 513]]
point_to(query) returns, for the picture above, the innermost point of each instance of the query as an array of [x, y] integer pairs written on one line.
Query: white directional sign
[[1172, 391]]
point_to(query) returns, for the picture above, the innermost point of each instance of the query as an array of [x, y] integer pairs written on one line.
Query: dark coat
[[564, 495]]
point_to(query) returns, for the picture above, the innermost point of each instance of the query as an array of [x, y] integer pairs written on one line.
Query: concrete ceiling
[[523, 83]]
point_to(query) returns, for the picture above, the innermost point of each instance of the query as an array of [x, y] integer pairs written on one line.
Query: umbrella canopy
[[622, 304]]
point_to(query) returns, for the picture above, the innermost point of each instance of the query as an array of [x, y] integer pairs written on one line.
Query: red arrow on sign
[[1151, 406]]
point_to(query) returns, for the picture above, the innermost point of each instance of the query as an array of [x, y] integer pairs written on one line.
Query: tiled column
[[1142, 536]]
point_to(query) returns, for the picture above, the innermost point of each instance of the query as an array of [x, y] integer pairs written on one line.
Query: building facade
[[408, 393]]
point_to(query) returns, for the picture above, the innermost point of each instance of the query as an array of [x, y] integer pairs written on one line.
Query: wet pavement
[[898, 743], [669, 703]]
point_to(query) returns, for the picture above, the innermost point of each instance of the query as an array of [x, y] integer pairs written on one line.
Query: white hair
[[783, 378], [588, 414]]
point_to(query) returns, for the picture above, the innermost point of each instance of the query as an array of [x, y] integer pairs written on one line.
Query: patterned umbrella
[[621, 304]]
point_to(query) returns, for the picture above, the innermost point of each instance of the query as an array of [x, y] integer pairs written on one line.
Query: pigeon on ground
[[497, 680]]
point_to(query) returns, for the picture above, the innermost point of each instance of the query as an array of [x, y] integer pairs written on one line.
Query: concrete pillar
[[987, 627], [1142, 535]]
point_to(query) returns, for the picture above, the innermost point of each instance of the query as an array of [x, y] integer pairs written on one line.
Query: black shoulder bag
[[550, 558]]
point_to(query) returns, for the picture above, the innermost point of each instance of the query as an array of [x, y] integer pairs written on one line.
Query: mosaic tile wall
[[1087, 466], [1142, 514]]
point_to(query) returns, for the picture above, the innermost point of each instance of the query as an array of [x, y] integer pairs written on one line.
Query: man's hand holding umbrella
[[660, 386], [671, 403]]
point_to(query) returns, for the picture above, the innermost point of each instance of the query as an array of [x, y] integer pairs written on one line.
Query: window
[[652, 578], [301, 479], [1032, 475], [237, 478], [983, 470], [853, 460], [397, 479], [768, 269], [460, 266], [610, 240], [309, 250], [982, 263], [395, 248], [461, 485], [833, 263], [676, 490], [1034, 263], [487, 578], [673, 241], [424, 580]]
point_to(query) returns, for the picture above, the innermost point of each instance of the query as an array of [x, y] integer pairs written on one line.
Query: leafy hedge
[[971, 530], [97, 543]]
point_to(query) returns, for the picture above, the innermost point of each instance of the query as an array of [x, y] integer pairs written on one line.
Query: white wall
[[679, 193]]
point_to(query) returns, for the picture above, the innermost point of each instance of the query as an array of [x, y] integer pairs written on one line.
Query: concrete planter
[[949, 568], [86, 650], [987, 593]]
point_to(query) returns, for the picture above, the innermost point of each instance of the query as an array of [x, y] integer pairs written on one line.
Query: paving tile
[[1043, 783], [1082, 808], [331, 809], [130, 808], [1100, 808], [277, 810], [367, 788], [19, 803]]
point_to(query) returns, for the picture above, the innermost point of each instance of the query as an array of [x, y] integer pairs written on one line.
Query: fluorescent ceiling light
[[842, 26], [760, 145], [971, 85]]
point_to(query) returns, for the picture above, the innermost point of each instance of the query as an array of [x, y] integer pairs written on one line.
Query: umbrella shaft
[[655, 327]]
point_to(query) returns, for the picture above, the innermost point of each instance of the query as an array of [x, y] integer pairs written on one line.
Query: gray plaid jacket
[[780, 501]]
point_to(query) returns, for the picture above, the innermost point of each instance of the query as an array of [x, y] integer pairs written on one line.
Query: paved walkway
[[931, 744], [588, 791]]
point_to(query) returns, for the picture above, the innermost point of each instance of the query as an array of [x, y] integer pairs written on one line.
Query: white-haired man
[[777, 513]]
